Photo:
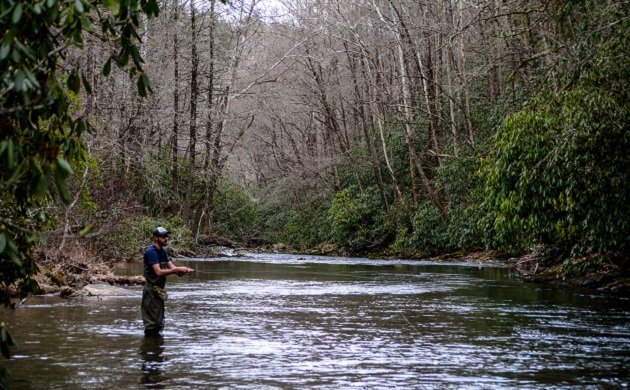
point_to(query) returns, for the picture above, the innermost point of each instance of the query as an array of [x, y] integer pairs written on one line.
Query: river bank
[[608, 273], [67, 274]]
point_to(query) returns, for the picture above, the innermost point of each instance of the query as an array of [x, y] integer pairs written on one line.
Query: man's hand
[[181, 271]]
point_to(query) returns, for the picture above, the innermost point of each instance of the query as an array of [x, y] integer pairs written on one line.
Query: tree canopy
[[40, 127]]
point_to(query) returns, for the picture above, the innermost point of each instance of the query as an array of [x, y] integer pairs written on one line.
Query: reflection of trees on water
[[151, 352]]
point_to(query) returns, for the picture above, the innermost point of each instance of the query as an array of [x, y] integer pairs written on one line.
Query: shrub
[[235, 212], [560, 174], [357, 220], [429, 230]]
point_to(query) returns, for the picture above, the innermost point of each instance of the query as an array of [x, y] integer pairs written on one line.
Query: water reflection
[[152, 354]]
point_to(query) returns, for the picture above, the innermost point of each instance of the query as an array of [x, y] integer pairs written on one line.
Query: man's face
[[163, 241]]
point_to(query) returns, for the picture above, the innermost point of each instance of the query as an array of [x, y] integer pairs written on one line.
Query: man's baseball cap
[[160, 232]]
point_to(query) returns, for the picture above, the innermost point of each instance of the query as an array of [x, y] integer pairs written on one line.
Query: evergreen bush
[[357, 220], [560, 174]]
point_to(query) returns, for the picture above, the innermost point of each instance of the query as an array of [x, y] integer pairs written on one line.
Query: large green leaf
[[113, 6], [3, 242], [5, 49], [73, 82], [107, 68], [64, 166], [17, 13], [78, 5]]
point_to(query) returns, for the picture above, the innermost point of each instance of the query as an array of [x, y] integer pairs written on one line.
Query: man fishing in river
[[157, 267]]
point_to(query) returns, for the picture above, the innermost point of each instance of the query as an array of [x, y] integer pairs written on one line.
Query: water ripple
[[280, 321]]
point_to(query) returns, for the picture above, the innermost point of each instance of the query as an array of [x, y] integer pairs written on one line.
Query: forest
[[410, 128]]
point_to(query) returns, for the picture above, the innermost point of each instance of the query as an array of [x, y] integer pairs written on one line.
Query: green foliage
[[300, 226], [402, 243], [429, 230], [235, 212], [456, 179], [560, 173], [39, 137], [6, 341], [399, 155], [432, 233], [576, 267], [180, 235], [463, 228], [357, 221], [359, 170]]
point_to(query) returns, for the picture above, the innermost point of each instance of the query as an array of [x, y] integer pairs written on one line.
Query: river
[[280, 321]]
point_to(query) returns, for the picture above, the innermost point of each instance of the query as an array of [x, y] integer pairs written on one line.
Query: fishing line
[[409, 322]]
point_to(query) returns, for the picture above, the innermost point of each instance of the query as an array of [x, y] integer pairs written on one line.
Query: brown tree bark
[[175, 134], [194, 95]]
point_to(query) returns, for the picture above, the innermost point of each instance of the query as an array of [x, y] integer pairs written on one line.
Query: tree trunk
[[208, 173], [463, 76], [192, 141], [175, 135]]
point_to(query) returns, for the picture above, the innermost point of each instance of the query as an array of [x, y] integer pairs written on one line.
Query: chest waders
[[152, 310]]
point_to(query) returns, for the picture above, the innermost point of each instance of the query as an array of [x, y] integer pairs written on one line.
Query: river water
[[292, 322]]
